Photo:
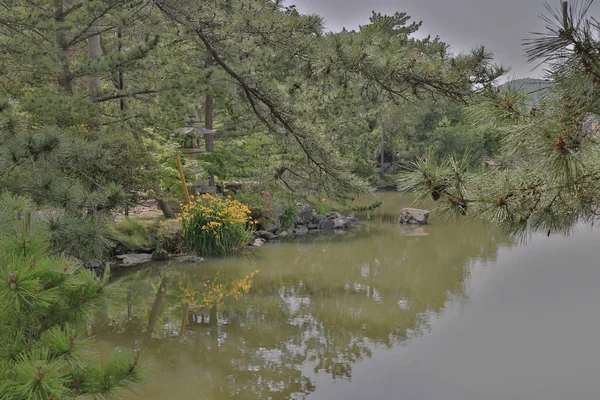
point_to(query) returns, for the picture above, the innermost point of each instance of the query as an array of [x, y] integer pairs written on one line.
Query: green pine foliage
[[78, 180], [551, 181], [48, 302]]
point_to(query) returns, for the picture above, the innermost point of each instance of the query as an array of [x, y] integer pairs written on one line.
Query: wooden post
[[208, 123], [182, 177]]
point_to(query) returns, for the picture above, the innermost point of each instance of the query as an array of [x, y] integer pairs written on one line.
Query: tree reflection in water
[[323, 304]]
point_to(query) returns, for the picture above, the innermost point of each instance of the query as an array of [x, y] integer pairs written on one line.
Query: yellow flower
[[323, 200]]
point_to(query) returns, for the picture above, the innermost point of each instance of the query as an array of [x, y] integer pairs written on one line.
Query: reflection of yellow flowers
[[215, 292]]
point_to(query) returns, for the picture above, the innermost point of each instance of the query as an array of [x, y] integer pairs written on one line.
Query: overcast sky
[[499, 25]]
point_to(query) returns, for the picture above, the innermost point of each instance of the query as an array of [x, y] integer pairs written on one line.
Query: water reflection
[[322, 303]]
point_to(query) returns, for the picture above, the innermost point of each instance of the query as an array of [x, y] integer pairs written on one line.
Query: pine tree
[[552, 181], [47, 303], [312, 90]]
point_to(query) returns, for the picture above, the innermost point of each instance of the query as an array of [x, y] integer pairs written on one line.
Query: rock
[[413, 216], [172, 238], [327, 224], [301, 230], [258, 242], [266, 235], [122, 248], [333, 215], [94, 265], [187, 259], [134, 259], [284, 233], [272, 228], [339, 223], [98, 267], [160, 255], [305, 214], [312, 226], [352, 222], [316, 218]]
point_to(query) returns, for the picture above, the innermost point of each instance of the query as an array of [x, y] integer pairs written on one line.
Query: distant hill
[[536, 88]]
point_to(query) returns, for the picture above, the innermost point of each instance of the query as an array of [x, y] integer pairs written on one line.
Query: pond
[[453, 310]]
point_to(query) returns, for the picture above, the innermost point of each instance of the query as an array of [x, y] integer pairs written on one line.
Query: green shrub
[[215, 226], [288, 217], [321, 208]]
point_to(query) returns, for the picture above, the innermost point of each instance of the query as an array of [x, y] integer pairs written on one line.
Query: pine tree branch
[[252, 94], [71, 9], [124, 95]]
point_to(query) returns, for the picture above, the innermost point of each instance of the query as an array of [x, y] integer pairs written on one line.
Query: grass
[[135, 232]]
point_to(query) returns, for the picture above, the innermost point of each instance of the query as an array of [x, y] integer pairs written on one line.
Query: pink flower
[[265, 193]]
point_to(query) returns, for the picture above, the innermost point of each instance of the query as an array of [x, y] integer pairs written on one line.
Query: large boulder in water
[[266, 235], [301, 230], [130, 260], [413, 216]]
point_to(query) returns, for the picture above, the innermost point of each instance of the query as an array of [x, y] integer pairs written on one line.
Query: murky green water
[[448, 311]]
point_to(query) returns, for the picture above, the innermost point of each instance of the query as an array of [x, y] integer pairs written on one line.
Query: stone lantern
[[197, 140], [193, 135]]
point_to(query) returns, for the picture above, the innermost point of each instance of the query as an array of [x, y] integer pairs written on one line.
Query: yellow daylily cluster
[[215, 209], [215, 292], [212, 224]]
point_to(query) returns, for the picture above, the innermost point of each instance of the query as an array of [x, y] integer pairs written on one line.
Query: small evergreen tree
[[47, 302]]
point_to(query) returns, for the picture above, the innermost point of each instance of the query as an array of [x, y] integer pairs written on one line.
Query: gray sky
[[499, 25]]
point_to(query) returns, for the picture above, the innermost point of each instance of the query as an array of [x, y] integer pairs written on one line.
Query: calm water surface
[[451, 311]]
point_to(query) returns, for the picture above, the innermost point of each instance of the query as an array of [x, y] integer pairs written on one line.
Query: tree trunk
[[208, 123], [65, 78], [157, 306], [94, 52], [165, 208], [120, 74]]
